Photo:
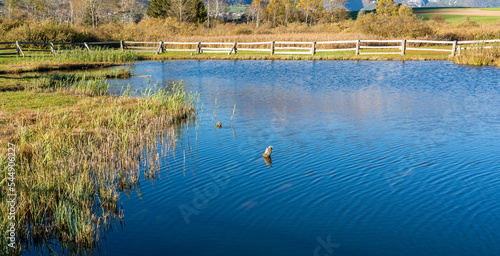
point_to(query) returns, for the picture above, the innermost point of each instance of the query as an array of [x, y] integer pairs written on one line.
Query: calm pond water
[[369, 158]]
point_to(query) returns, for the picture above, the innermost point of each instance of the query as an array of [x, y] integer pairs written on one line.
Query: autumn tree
[[257, 9], [273, 10], [289, 10], [335, 9], [405, 11], [311, 8], [387, 8]]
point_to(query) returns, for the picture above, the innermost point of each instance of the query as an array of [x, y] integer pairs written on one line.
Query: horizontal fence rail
[[359, 47], [9, 49]]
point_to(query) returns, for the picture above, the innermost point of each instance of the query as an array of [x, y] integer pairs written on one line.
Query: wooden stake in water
[[268, 152]]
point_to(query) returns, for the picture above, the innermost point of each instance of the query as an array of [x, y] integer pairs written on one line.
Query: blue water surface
[[369, 158]]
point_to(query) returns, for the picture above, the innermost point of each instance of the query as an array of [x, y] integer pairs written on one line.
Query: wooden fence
[[358, 47]]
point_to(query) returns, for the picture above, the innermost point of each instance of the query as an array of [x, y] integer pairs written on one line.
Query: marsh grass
[[86, 83], [96, 55], [479, 55], [73, 162]]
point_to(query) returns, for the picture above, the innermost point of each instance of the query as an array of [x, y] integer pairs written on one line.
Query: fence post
[[198, 48], [454, 48], [459, 50], [357, 47], [19, 48], [313, 48], [234, 48], [121, 45], [160, 48], [52, 48], [403, 47], [272, 47], [86, 46]]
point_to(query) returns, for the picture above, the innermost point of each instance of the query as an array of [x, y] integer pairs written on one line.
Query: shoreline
[[49, 66], [290, 57]]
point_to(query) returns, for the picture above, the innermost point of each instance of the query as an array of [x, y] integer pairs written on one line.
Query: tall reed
[[479, 55], [73, 163]]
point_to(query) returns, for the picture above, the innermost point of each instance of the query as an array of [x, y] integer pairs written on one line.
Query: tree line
[[87, 12], [96, 12]]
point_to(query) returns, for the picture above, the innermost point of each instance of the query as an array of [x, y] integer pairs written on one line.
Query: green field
[[460, 18], [426, 13], [490, 9], [426, 9], [238, 9]]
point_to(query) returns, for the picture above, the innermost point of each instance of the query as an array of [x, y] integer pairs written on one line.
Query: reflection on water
[[376, 158]]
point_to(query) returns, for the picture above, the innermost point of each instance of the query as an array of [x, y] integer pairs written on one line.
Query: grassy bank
[[57, 80], [75, 59], [242, 55], [76, 150]]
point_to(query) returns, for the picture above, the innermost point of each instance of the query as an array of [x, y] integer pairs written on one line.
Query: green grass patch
[[58, 80], [428, 9], [238, 9], [461, 18], [27, 100], [490, 9], [10, 83]]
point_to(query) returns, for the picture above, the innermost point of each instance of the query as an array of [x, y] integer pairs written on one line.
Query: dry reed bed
[[480, 55], [72, 163]]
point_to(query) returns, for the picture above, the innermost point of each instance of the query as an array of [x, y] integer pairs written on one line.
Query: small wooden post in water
[[403, 47], [19, 48], [313, 48], [453, 50], [272, 47], [357, 47], [52, 48], [121, 45]]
